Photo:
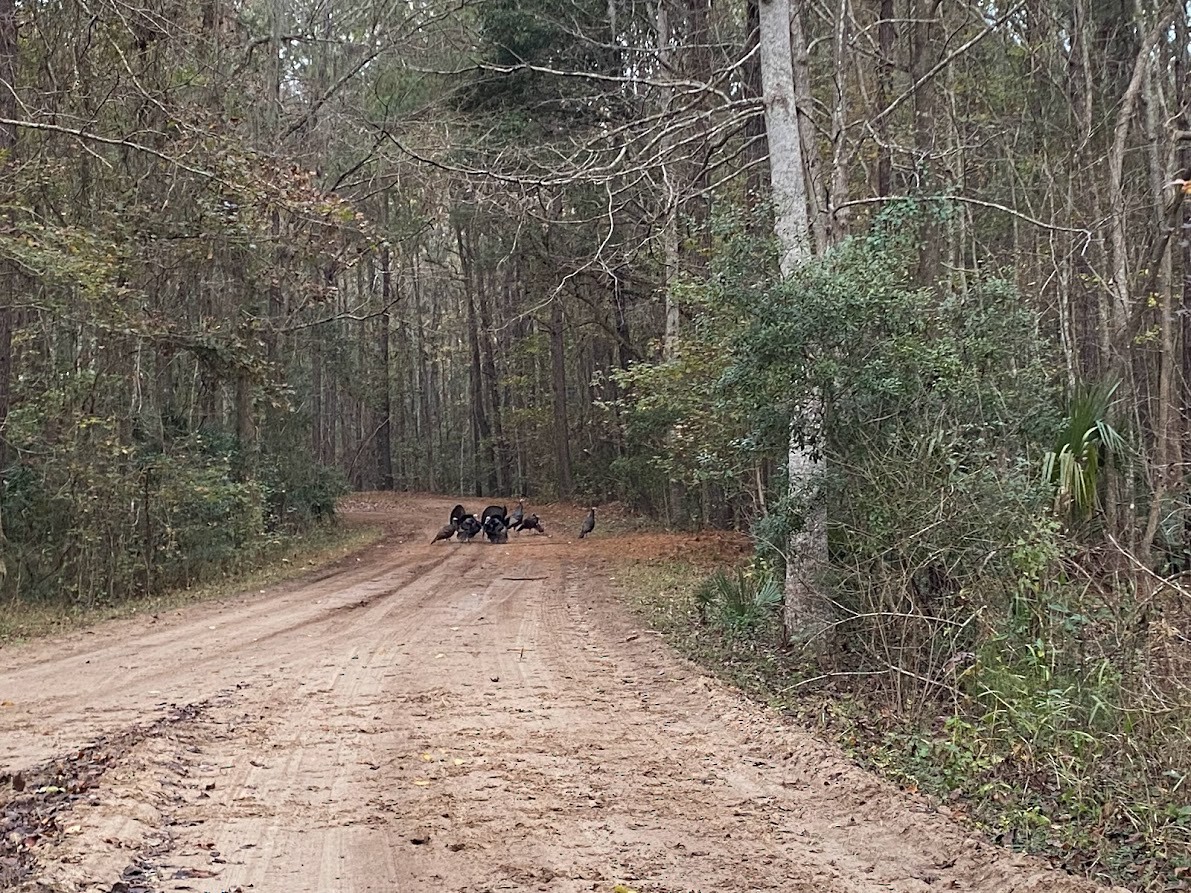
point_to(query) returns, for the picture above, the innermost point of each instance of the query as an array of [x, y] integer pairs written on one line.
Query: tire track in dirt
[[464, 718]]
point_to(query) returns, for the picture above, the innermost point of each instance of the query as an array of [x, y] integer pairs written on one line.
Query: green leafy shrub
[[200, 518], [298, 491]]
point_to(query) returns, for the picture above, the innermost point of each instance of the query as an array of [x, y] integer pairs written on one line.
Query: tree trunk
[[489, 381], [8, 272], [755, 151], [558, 380], [791, 223], [624, 342], [671, 191], [1182, 71], [885, 35], [815, 188], [425, 414], [805, 609], [384, 444], [316, 398], [331, 428], [1123, 352], [246, 428], [481, 435], [925, 51], [841, 156], [699, 65]]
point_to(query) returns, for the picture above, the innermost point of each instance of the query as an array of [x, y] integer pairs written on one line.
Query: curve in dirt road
[[446, 717]]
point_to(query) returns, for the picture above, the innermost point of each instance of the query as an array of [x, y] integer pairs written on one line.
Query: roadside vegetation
[[96, 527], [990, 640], [1043, 753], [271, 561]]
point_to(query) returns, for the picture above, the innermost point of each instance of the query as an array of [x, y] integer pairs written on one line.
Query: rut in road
[[455, 717]]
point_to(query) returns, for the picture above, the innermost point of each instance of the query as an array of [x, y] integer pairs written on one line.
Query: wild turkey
[[531, 523], [496, 511], [458, 513], [518, 513], [588, 523], [469, 526], [496, 525], [446, 532]]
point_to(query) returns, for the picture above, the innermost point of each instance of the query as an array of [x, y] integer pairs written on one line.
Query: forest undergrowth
[[278, 559], [1055, 740]]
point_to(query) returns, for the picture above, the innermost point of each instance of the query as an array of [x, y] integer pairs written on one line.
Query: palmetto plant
[[1082, 449], [739, 602]]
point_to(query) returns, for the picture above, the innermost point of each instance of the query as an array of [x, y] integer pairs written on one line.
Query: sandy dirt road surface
[[447, 717]]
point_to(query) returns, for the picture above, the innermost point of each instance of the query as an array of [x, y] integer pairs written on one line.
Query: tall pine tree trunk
[[384, 444], [481, 435], [8, 273], [558, 380], [489, 386]]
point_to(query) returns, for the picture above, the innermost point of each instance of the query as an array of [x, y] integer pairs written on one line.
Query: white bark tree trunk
[[805, 610], [791, 222], [671, 173], [670, 181]]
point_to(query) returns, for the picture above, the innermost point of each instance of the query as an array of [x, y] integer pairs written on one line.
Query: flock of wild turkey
[[495, 523]]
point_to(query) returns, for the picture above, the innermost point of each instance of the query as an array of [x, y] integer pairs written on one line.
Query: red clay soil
[[447, 717]]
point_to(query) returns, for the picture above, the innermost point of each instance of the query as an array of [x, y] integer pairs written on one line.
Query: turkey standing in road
[[531, 523], [468, 527], [588, 523], [518, 513], [495, 511], [446, 532], [496, 524]]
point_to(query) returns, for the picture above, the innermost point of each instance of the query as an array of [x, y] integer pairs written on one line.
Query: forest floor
[[447, 717]]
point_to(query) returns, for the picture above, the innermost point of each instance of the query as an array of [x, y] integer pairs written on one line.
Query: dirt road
[[455, 717]]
